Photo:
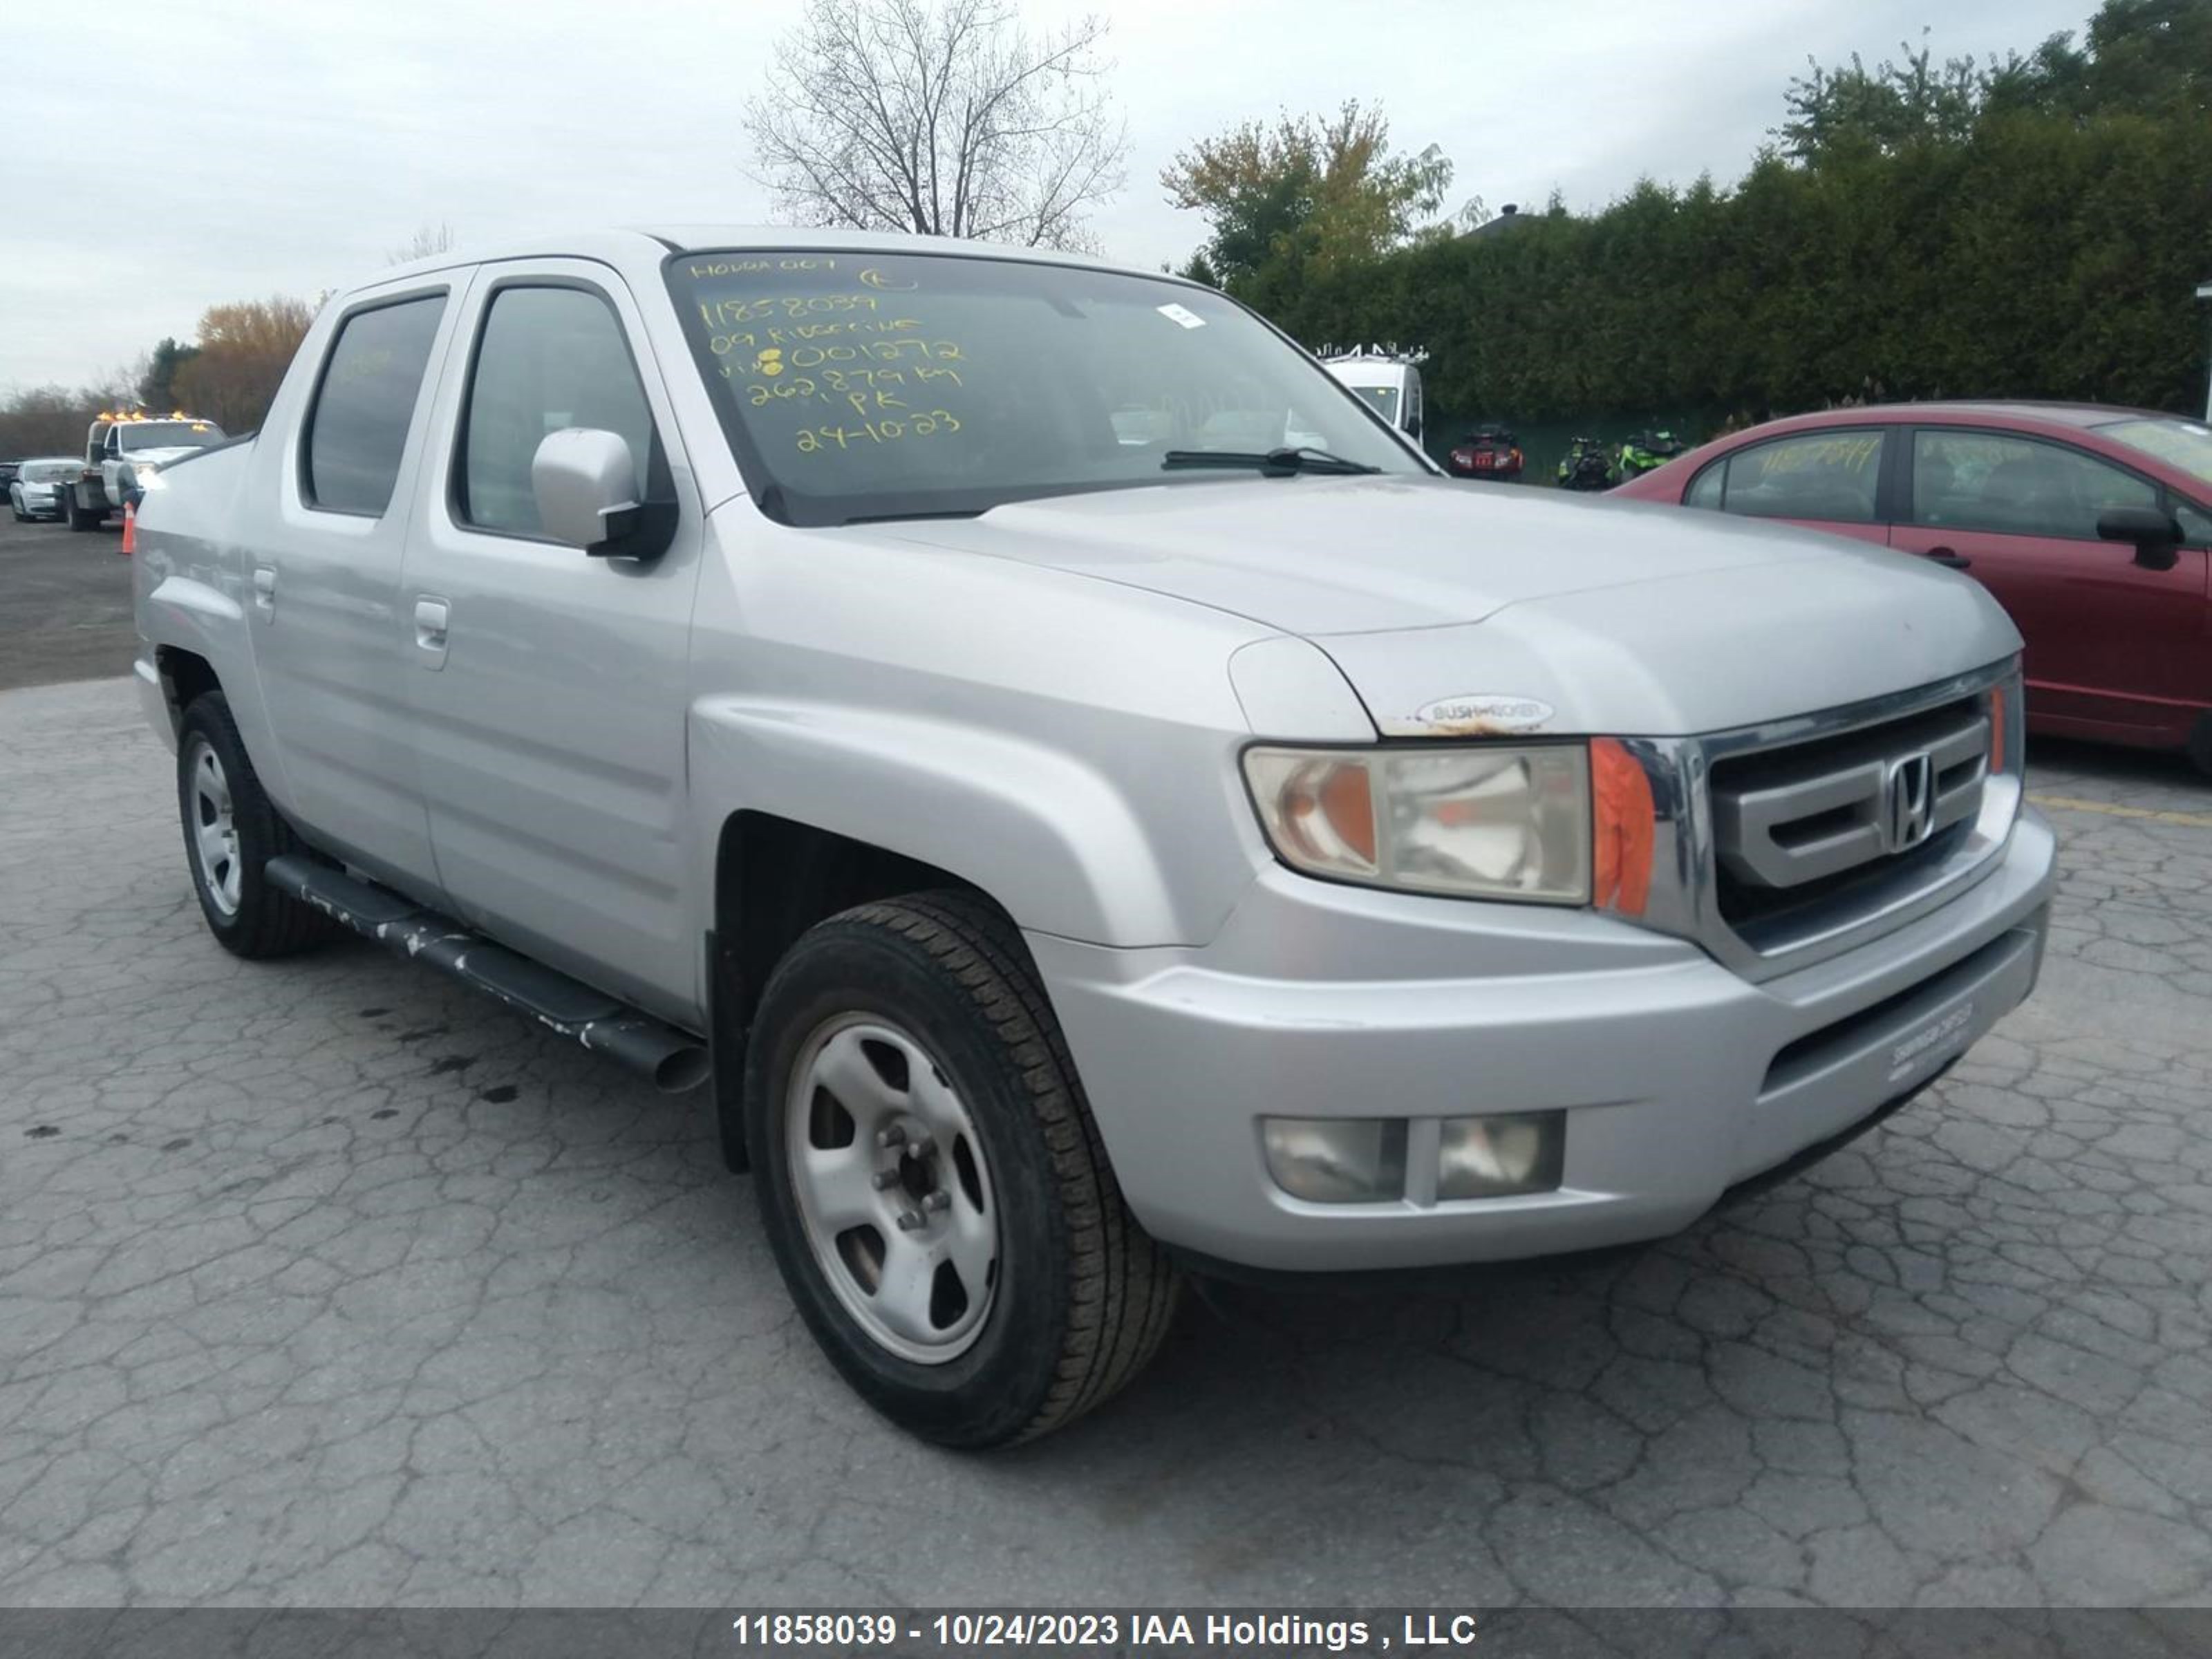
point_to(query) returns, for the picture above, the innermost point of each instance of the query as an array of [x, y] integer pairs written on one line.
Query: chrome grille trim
[[1812, 812], [1685, 895]]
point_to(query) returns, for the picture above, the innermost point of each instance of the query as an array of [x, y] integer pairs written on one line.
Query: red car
[[2089, 525]]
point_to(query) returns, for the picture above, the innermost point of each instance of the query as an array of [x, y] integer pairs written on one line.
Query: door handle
[[430, 631], [1949, 559], [264, 591]]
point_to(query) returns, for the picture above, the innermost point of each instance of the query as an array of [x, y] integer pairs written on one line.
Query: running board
[[674, 1060]]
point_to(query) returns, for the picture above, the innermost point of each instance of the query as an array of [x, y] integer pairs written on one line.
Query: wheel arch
[[184, 676], [775, 878]]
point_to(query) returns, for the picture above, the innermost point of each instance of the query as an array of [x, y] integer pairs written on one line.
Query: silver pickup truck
[[1077, 850]]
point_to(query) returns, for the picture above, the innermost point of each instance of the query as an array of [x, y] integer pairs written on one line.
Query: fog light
[[1498, 1157], [1337, 1160]]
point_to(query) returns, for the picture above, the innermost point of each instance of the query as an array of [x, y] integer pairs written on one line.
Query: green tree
[[2032, 227], [1851, 110], [1307, 197], [157, 387]]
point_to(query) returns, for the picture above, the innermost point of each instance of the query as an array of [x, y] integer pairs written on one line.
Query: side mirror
[[585, 481], [2155, 533]]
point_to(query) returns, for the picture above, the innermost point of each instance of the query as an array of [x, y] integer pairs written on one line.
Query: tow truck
[[122, 450]]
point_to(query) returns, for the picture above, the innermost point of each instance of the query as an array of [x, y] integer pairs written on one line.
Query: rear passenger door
[[329, 636], [548, 685], [1828, 480], [2110, 641]]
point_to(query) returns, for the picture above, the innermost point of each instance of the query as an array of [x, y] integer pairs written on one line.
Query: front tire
[[231, 831], [932, 1182]]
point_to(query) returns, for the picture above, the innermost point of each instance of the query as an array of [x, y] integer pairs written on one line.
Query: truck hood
[[1451, 607], [1314, 556]]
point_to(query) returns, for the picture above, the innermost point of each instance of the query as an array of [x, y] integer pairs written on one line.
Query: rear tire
[[231, 831], [2200, 744], [967, 1343], [77, 517]]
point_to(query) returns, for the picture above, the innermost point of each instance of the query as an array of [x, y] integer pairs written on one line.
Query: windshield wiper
[[895, 518], [1281, 463]]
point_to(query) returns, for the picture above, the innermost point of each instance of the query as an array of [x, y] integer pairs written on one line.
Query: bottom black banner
[[1096, 1633]]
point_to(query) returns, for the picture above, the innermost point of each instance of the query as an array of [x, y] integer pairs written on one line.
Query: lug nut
[[908, 1220], [894, 1136], [885, 1180], [939, 1199], [923, 1146]]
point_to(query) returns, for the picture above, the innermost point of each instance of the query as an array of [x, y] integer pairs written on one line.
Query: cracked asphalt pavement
[[330, 1283]]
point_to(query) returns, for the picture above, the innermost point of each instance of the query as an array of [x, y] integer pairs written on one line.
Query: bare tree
[[942, 117], [428, 239]]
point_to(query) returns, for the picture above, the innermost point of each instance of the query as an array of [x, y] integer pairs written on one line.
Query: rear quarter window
[[357, 426], [1830, 475]]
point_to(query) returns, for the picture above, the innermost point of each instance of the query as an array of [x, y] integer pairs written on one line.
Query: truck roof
[[638, 249]]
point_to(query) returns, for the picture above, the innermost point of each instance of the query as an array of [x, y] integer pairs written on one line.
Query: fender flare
[[1051, 839]]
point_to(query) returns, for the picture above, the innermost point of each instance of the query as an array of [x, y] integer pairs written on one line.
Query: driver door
[[2112, 645], [548, 685]]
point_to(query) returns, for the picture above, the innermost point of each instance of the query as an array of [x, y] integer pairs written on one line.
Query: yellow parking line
[[2069, 803]]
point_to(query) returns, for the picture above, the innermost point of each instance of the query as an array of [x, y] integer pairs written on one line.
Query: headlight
[[1487, 822]]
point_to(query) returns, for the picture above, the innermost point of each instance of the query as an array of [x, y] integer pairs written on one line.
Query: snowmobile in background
[[1586, 465], [1488, 452], [1646, 452]]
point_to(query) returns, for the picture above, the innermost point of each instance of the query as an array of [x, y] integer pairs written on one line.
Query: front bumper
[[1679, 1078]]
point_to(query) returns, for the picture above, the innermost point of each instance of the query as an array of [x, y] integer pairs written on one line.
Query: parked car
[[8, 469], [35, 492], [1078, 851], [121, 453], [2090, 525], [1488, 452], [1586, 466]]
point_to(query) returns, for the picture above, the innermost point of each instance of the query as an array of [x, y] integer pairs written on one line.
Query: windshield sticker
[[1175, 313]]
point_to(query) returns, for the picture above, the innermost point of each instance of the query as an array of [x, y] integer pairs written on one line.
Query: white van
[[1390, 382]]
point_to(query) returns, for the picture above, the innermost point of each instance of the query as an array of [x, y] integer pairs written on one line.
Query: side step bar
[[674, 1059]]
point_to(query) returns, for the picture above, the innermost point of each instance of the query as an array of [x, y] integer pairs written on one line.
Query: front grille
[[1807, 833]]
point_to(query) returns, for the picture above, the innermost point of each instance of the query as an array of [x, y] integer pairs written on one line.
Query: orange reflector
[[1997, 730], [1625, 824], [1347, 804]]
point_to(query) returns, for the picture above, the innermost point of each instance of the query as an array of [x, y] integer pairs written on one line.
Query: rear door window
[[357, 427], [1830, 476], [1997, 482]]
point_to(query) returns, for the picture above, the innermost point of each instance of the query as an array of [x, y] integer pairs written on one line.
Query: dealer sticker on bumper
[[1942, 1037]]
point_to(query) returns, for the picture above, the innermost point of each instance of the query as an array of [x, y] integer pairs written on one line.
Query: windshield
[[895, 385], [2185, 444], [169, 434], [1384, 399], [46, 472]]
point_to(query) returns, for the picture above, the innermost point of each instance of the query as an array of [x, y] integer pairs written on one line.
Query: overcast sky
[[213, 151]]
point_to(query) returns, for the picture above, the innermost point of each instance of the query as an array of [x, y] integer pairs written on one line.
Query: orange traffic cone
[[130, 528]]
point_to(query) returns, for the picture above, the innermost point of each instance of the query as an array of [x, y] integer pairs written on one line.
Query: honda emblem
[[1908, 801]]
